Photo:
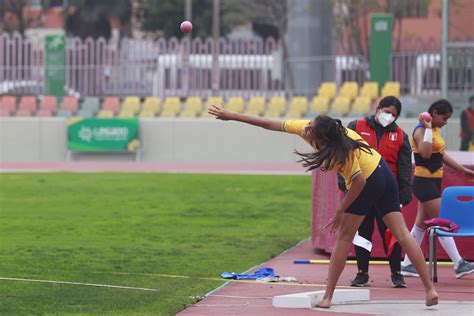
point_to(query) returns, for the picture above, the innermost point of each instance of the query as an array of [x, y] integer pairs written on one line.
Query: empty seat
[[171, 105], [235, 104], [126, 114], [27, 103], [188, 114], [131, 103], [91, 104], [111, 104], [70, 104], [8, 104], [168, 113], [49, 103], [370, 90], [340, 106], [349, 89], [277, 105], [205, 114], [147, 114], [4, 113], [192, 105], [256, 105], [44, 113], [105, 114], [62, 113], [391, 88], [214, 101], [151, 104], [319, 104], [85, 113], [298, 104], [361, 106], [327, 89], [23, 113], [294, 114], [273, 113]]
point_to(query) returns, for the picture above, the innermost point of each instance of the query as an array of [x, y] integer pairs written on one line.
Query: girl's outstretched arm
[[222, 114]]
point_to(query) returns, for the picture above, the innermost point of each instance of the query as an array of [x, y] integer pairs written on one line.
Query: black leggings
[[366, 230]]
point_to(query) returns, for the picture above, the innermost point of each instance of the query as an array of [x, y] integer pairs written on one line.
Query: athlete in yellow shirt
[[428, 149], [368, 178]]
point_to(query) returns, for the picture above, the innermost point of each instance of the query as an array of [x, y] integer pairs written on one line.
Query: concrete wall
[[171, 140]]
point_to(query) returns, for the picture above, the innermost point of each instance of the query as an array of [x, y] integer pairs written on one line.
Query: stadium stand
[[327, 89], [298, 105], [23, 113], [151, 105], [361, 106], [124, 113], [340, 106], [391, 88], [105, 114], [256, 106], [192, 107], [90, 104], [111, 103], [276, 106], [44, 113], [319, 105], [235, 104], [28, 104], [171, 107], [370, 90], [70, 104], [131, 104], [48, 103], [8, 104], [349, 89]]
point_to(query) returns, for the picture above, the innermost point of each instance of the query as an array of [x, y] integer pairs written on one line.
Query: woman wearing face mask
[[382, 133], [368, 178], [428, 149]]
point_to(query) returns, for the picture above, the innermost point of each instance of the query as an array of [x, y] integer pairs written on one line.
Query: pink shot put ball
[[186, 27], [426, 116]]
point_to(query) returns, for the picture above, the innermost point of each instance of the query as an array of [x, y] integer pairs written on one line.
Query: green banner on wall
[[54, 62], [94, 134], [380, 47]]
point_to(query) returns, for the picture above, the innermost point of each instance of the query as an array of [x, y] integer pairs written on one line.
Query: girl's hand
[[220, 113], [423, 122], [335, 222]]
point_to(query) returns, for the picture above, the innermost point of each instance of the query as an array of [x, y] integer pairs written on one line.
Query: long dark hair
[[337, 146], [441, 106]]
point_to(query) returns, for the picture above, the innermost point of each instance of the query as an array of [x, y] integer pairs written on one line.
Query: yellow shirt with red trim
[[360, 162], [437, 146]]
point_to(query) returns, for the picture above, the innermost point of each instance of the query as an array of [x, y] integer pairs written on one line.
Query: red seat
[[49, 103], [28, 103], [111, 104], [4, 113], [44, 113], [8, 103], [70, 104], [23, 113]]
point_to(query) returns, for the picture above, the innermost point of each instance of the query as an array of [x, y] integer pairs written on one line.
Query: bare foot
[[324, 303], [431, 298]]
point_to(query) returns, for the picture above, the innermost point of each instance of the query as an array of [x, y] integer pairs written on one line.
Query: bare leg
[[427, 210], [397, 226], [350, 224]]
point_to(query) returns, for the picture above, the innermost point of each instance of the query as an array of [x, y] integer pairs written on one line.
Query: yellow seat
[[340, 105], [131, 104], [299, 104], [276, 105], [126, 114], [256, 106], [370, 90], [327, 89], [171, 104], [168, 113], [190, 113], [391, 88], [205, 114], [146, 114], [105, 114], [349, 89], [214, 101], [193, 105], [320, 104], [361, 105], [152, 104], [273, 113], [294, 114], [235, 104]]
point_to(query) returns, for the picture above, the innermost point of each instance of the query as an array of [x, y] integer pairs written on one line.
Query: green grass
[[90, 227]]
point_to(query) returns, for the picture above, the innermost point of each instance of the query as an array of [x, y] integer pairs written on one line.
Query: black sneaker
[[361, 279], [398, 281]]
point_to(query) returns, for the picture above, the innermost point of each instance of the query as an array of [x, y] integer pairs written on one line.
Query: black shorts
[[380, 193], [426, 189]]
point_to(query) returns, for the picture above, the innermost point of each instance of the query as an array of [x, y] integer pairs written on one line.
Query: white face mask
[[385, 119]]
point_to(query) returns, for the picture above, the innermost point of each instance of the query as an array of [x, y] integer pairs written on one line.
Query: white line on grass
[[79, 283]]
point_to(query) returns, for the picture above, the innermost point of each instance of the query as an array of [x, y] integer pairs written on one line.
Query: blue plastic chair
[[457, 205]]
